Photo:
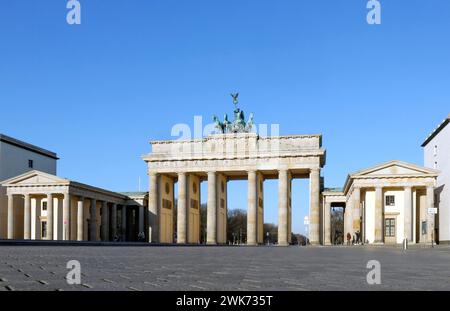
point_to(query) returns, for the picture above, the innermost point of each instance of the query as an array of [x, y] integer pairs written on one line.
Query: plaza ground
[[222, 268]]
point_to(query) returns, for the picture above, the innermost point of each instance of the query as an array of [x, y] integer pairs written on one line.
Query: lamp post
[[268, 240]]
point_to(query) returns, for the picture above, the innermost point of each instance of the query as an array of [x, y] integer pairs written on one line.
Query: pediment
[[34, 178], [396, 168]]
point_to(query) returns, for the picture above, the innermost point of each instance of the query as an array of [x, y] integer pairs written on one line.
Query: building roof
[[437, 131], [27, 146], [390, 169], [35, 177], [333, 190], [134, 194]]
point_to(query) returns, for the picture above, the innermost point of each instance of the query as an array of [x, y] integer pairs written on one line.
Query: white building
[[16, 158], [437, 156], [386, 204]]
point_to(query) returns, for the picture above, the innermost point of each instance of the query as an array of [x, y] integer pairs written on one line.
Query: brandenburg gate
[[233, 154]]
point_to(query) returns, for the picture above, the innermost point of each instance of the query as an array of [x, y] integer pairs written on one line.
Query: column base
[[211, 243]]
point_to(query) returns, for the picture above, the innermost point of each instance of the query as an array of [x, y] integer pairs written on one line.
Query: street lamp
[[268, 241]]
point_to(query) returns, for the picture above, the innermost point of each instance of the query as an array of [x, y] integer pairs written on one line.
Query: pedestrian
[[141, 236], [349, 237]]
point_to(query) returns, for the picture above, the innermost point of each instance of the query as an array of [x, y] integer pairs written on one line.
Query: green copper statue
[[238, 125]]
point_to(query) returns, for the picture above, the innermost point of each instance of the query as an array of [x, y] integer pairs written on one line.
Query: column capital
[[153, 174], [315, 169], [283, 171], [211, 172], [357, 188]]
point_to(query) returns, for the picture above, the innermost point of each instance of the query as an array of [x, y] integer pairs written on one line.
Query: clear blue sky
[[98, 92]]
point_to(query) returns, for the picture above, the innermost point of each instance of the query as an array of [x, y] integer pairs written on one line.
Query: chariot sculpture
[[239, 125]]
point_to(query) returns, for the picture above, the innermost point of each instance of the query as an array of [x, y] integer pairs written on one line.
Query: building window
[[44, 206], [390, 200], [424, 227], [44, 229], [30, 164], [390, 227]]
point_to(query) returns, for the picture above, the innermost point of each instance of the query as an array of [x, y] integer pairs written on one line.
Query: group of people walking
[[121, 238], [355, 239]]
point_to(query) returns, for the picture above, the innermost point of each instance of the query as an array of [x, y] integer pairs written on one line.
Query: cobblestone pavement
[[222, 268]]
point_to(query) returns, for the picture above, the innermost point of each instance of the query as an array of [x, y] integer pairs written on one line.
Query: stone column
[[114, 220], [252, 209], [283, 207], [379, 217], [408, 213], [27, 217], [314, 217], [105, 221], [107, 236], [356, 210], [50, 216], [80, 219], [182, 209], [141, 219], [10, 216], [327, 223], [363, 222], [37, 219], [124, 223], [430, 217], [211, 221], [66, 217], [93, 220], [153, 221]]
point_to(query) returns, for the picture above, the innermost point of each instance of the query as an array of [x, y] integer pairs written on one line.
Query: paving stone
[[223, 268]]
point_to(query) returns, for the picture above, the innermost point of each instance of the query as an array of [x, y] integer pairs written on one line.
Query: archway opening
[[337, 224]]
